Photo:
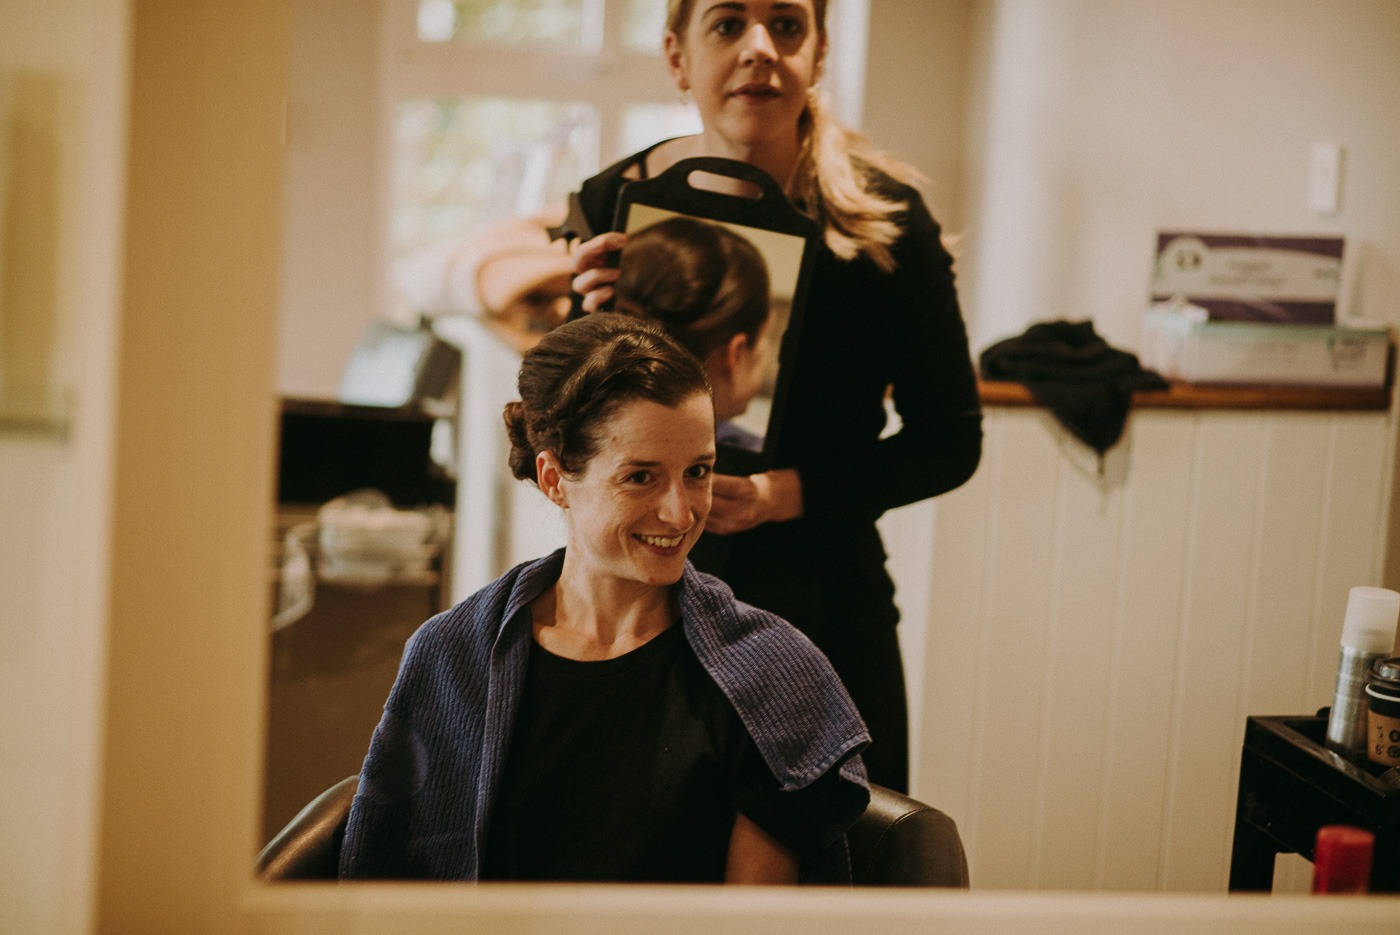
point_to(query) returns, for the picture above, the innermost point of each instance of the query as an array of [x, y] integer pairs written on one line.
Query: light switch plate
[[1325, 178]]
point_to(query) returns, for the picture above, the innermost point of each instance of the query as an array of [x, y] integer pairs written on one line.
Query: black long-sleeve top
[[864, 331]]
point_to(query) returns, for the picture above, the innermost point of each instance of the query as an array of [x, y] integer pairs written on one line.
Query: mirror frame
[[185, 653]]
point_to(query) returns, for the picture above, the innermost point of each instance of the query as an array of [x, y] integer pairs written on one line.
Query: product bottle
[[1383, 699], [1368, 634], [1342, 859]]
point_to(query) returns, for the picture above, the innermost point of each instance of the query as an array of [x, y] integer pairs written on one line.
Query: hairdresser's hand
[[595, 269], [740, 503]]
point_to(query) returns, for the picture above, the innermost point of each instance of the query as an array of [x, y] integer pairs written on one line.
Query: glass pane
[[461, 164], [644, 124], [644, 23], [506, 22]]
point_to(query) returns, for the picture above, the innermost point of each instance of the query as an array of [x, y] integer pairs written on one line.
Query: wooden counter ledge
[[1191, 396]]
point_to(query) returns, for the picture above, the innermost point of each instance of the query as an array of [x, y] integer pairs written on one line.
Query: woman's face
[[749, 64], [640, 504]]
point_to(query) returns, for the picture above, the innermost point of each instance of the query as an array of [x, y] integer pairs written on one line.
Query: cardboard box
[[1181, 343], [1265, 278]]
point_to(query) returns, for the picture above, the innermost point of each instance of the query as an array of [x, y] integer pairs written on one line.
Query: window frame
[[602, 72], [610, 76]]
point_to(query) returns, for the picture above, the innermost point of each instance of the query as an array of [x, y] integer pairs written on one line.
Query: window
[[501, 107], [502, 21]]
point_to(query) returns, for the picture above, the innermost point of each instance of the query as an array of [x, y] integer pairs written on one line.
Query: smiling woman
[[608, 713]]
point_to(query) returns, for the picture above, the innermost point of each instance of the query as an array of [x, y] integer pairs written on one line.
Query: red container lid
[[1342, 859]]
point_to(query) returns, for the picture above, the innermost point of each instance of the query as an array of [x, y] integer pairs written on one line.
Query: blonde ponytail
[[833, 182]]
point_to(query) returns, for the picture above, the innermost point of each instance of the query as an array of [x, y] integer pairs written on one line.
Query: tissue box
[[1180, 343]]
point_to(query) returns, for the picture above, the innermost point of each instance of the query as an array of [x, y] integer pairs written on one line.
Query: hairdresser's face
[[640, 504], [749, 64]]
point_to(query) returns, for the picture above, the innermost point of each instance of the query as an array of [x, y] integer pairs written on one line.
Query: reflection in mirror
[[662, 247], [1141, 606]]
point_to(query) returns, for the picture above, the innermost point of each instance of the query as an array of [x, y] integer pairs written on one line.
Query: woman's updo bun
[[701, 281], [522, 458], [579, 374]]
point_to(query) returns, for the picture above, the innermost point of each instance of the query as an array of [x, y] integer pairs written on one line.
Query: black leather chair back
[[897, 842], [309, 847], [900, 841]]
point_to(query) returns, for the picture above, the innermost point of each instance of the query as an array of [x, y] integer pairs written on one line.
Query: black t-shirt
[[631, 770]]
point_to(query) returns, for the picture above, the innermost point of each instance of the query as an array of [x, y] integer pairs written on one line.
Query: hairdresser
[[882, 316]]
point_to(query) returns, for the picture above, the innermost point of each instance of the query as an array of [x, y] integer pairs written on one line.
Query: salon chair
[[897, 842], [308, 848], [900, 841]]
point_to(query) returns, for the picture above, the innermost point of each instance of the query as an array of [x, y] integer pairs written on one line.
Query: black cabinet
[[330, 671], [1291, 784]]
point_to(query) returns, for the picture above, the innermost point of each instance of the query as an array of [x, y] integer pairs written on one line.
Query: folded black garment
[[1084, 381]]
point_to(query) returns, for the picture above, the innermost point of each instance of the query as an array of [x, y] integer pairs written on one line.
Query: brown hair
[[834, 178], [703, 282], [580, 374]]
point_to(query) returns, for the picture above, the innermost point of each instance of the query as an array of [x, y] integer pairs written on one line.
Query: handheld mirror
[[763, 229]]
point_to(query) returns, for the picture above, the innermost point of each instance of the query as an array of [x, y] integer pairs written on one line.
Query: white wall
[[54, 483], [1096, 123], [36, 529], [916, 94], [331, 286]]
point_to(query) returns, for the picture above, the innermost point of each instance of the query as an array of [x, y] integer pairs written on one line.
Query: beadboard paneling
[[1149, 577], [1097, 637], [1219, 561], [1009, 698]]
